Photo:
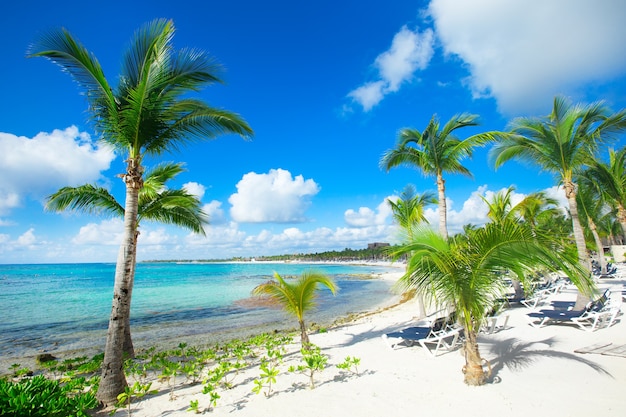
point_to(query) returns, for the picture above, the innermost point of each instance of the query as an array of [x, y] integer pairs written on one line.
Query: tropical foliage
[[434, 151], [563, 143], [156, 203], [466, 273], [296, 297], [149, 112]]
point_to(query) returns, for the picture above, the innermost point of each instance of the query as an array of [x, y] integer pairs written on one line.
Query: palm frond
[[87, 199]]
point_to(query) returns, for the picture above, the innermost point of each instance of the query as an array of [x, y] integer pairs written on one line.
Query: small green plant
[[349, 363], [314, 361], [136, 391], [41, 397], [211, 390], [194, 406], [168, 373], [266, 379]]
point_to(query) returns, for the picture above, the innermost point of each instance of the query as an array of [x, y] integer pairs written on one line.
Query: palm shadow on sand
[[517, 355]]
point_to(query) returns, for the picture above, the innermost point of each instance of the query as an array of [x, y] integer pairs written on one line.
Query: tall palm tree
[[149, 112], [156, 203], [298, 297], [611, 182], [434, 151], [408, 210], [563, 144], [464, 272], [536, 207]]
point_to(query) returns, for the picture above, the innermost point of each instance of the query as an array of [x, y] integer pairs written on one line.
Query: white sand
[[538, 371]]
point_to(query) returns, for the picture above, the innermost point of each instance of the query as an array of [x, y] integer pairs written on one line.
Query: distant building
[[377, 245]]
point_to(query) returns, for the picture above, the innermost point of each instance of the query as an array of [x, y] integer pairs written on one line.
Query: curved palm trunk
[[473, 369], [441, 190], [599, 246], [113, 381]]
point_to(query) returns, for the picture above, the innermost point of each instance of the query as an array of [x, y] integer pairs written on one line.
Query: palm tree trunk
[[304, 337], [443, 221], [129, 348], [579, 238], [599, 246], [113, 381], [473, 369], [621, 217]]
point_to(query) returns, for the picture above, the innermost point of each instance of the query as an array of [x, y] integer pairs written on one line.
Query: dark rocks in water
[[45, 357]]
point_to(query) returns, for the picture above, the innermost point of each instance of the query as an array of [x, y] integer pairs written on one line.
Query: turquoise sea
[[60, 307]]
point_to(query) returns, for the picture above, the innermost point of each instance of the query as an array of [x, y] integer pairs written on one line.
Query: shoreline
[[204, 339]]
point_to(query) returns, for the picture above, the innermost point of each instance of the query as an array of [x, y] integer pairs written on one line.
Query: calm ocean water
[[59, 307]]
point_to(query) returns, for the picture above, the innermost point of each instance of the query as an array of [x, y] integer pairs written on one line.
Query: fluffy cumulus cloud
[[195, 189], [366, 217], [107, 232], [273, 197], [410, 51], [524, 53], [39, 165]]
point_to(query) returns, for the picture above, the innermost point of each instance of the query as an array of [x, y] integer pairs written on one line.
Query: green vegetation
[[148, 113], [296, 297]]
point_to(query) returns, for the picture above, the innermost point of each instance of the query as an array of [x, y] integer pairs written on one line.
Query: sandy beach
[[536, 371]]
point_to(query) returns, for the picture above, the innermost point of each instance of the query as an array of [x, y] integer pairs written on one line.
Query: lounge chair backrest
[[439, 324]]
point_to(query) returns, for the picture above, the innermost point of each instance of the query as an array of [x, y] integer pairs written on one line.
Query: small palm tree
[[435, 151], [298, 297], [465, 272], [156, 203]]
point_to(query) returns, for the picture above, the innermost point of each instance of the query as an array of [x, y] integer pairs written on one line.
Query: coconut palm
[[156, 203], [465, 273], [408, 210], [610, 179], [563, 144], [298, 297], [435, 151], [149, 112]]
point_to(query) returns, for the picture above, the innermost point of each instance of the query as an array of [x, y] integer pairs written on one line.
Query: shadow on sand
[[517, 355]]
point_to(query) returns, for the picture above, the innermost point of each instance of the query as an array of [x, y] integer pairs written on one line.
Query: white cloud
[[47, 162], [215, 212], [195, 188], [272, 197], [366, 217], [523, 54], [27, 238], [107, 232], [410, 51]]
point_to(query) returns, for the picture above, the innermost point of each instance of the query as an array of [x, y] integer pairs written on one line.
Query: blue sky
[[325, 85]]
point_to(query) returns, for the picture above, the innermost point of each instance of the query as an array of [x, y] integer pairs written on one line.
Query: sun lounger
[[599, 313], [445, 340], [412, 335]]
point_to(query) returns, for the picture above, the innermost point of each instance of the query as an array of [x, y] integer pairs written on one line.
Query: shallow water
[[48, 308]]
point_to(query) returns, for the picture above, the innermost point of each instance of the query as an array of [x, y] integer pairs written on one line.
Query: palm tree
[[610, 179], [156, 203], [563, 144], [148, 113], [465, 272], [298, 297], [436, 151], [408, 210], [536, 207]]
